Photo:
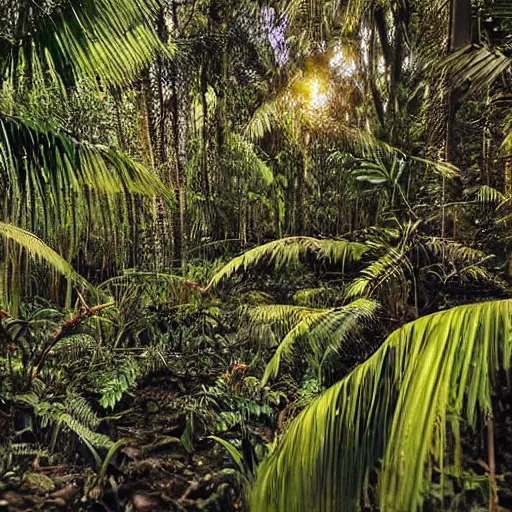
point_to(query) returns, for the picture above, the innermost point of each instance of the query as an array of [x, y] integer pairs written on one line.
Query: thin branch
[[68, 326]]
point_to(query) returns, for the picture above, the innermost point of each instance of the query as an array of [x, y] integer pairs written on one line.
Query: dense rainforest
[[256, 255]]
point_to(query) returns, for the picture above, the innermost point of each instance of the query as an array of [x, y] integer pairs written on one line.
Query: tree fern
[[399, 407]]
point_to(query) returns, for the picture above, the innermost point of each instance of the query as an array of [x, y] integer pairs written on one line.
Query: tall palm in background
[[54, 182]]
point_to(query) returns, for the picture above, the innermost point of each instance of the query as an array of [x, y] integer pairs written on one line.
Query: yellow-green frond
[[325, 330], [38, 250], [113, 40], [288, 251], [393, 414]]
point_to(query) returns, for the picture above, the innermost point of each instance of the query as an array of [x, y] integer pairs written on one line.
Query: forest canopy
[[254, 255]]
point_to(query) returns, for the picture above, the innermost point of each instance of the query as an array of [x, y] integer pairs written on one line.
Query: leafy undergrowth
[[158, 464]]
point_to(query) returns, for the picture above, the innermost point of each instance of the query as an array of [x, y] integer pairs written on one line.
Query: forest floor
[[150, 472]]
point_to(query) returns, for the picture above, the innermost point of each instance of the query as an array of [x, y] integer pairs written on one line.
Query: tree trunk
[[460, 23], [179, 104], [204, 148], [459, 35]]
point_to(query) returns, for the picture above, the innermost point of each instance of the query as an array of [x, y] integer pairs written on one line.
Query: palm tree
[[53, 183]]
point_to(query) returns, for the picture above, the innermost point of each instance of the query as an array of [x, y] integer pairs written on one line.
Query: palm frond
[[49, 177], [315, 297], [281, 317], [33, 159], [391, 265], [488, 195], [108, 39], [243, 150], [475, 68], [136, 290], [325, 330], [288, 251], [38, 250], [454, 251], [427, 377]]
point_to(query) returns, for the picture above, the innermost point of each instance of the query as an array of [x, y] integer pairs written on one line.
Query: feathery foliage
[[325, 331], [38, 250], [289, 251], [474, 68], [106, 39], [400, 407]]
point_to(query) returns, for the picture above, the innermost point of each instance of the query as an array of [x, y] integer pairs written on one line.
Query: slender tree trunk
[[460, 23], [204, 149], [459, 35], [377, 98], [493, 487], [180, 103]]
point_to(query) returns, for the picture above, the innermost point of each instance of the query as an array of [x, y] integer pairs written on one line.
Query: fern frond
[[280, 316], [28, 450], [80, 409], [74, 347], [115, 383], [31, 398], [57, 413]]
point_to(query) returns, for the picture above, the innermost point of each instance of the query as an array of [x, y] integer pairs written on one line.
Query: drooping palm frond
[[137, 290], [325, 330], [426, 379], [38, 250], [110, 39], [43, 173], [289, 251], [281, 317], [488, 195], [33, 158], [474, 68], [244, 151], [454, 251]]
